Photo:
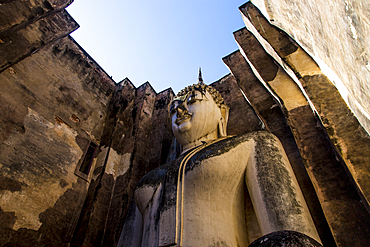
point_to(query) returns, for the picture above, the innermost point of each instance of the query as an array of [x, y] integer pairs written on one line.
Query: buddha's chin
[[184, 133], [184, 127]]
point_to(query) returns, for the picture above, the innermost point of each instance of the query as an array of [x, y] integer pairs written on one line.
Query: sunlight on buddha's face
[[195, 117]]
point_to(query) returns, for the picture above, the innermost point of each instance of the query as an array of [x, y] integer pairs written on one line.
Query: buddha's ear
[[222, 124]]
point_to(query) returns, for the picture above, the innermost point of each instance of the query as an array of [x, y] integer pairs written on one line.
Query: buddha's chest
[[219, 171], [201, 197]]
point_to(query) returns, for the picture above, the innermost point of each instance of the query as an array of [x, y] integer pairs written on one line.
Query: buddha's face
[[194, 115]]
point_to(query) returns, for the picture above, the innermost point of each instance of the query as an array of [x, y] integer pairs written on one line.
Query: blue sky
[[163, 42]]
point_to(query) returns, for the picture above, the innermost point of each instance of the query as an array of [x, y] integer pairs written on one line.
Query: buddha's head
[[198, 115]]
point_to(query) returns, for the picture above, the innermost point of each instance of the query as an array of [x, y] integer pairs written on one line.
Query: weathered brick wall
[[330, 139], [26, 26], [135, 141], [337, 34], [53, 102]]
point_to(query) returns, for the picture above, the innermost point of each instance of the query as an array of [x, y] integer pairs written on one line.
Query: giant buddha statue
[[199, 199]]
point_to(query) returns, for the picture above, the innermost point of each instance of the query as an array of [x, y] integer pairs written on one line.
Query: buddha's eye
[[174, 106], [191, 99]]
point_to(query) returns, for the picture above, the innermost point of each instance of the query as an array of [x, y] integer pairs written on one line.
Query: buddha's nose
[[181, 109]]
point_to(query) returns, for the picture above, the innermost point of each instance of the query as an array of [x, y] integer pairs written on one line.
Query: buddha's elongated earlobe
[[222, 123], [221, 128]]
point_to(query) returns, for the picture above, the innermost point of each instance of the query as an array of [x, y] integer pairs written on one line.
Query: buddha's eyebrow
[[173, 102], [199, 90]]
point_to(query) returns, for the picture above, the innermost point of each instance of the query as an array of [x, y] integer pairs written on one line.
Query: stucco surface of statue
[[201, 198]]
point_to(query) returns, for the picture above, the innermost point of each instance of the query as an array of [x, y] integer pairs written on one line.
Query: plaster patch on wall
[[117, 164], [30, 202], [49, 157], [99, 160], [303, 63], [288, 91], [352, 28]]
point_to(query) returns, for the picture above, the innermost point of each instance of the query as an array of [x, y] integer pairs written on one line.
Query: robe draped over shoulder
[[199, 198]]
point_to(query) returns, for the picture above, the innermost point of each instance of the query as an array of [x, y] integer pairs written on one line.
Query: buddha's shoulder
[[262, 135], [257, 136], [240, 142], [156, 176]]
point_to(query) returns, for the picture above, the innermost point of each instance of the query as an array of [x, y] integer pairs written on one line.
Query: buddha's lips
[[186, 116]]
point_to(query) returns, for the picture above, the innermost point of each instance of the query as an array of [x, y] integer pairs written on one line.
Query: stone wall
[[331, 141], [336, 34], [136, 140], [54, 100]]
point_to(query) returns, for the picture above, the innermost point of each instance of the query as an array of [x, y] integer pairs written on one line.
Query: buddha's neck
[[203, 140]]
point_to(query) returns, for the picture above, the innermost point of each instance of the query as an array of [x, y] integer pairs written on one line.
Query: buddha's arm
[[132, 229], [276, 196], [132, 233], [143, 196]]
